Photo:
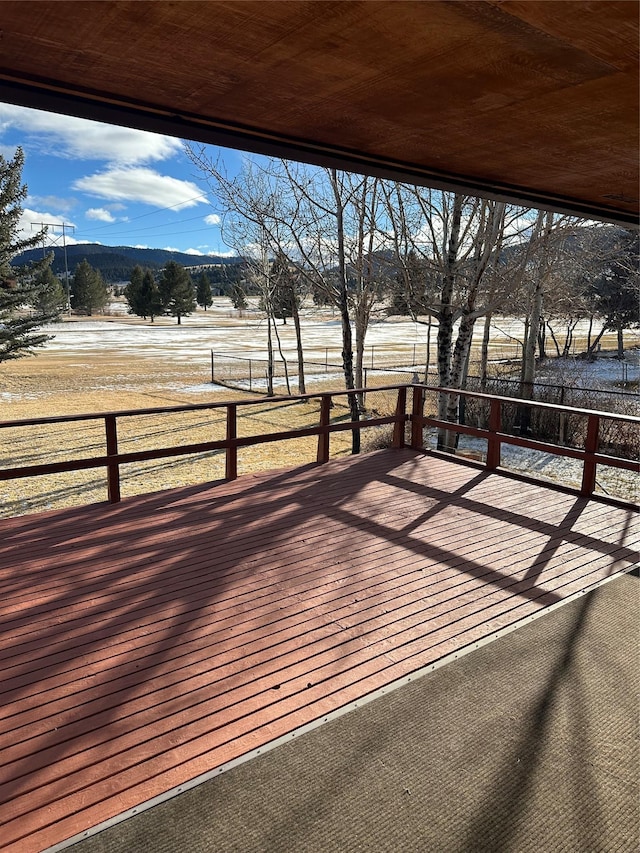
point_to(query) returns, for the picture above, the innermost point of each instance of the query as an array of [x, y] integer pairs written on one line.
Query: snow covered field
[[175, 359]]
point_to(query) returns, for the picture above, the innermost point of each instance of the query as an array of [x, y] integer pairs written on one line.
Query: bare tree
[[457, 239], [249, 207]]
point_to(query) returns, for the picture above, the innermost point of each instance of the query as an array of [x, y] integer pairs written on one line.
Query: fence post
[[323, 437], [250, 376], [212, 370], [493, 442], [398, 427], [113, 469], [231, 466], [416, 418], [589, 464]]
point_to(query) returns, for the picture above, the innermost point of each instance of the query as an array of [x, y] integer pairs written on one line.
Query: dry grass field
[[52, 384], [119, 363]]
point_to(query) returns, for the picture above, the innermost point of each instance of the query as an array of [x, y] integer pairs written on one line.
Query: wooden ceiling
[[530, 101]]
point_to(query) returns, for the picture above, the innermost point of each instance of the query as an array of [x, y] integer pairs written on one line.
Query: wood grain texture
[[146, 643], [539, 97]]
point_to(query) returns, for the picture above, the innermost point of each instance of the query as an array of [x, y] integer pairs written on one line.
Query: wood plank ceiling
[[531, 101]]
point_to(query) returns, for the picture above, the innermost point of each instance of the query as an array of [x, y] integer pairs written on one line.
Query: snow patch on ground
[[614, 482]]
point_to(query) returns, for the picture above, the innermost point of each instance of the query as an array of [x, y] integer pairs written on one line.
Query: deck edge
[[339, 712]]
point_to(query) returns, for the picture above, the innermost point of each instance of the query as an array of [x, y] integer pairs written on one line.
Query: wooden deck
[[150, 642]]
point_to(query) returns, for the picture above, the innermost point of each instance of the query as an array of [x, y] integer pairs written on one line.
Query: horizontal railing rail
[[495, 438], [112, 459]]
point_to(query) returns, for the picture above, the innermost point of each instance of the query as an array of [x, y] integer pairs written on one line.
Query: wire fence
[[251, 374]]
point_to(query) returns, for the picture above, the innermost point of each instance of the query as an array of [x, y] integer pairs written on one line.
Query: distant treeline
[[116, 263]]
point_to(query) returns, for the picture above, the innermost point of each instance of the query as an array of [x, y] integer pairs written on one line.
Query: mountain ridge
[[116, 262]]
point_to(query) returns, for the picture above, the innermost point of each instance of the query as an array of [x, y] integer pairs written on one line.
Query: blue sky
[[116, 186]]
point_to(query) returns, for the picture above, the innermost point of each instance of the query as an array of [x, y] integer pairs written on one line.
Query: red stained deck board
[[152, 641]]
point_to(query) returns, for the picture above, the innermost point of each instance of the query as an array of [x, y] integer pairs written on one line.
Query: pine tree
[[88, 291], [19, 288], [204, 295], [284, 299], [150, 296], [50, 297], [614, 291], [238, 296], [133, 293], [177, 292]]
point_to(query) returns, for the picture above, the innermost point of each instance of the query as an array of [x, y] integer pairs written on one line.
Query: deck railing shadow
[[124, 601], [398, 417]]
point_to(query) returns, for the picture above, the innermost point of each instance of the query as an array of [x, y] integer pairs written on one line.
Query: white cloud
[[7, 151], [193, 252], [67, 136], [144, 185], [212, 219], [100, 214], [30, 223], [53, 201]]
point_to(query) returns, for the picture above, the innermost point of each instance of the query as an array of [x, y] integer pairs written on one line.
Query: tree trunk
[[343, 307], [459, 361], [529, 350], [269, 359], [281, 354], [620, 354], [542, 340], [296, 322], [484, 354], [446, 318], [555, 342], [427, 363]]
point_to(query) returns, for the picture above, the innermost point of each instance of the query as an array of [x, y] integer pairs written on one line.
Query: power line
[[44, 226], [150, 213]]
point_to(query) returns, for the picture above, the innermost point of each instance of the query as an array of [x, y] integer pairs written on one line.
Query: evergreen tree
[[50, 297], [204, 295], [614, 291], [284, 299], [238, 296], [133, 293], [177, 293], [19, 288], [88, 291], [150, 296]]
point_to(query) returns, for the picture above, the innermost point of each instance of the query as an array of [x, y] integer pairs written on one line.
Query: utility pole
[[44, 226]]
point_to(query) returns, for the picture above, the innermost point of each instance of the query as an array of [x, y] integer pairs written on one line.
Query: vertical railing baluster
[[401, 409], [113, 469], [323, 437], [231, 466], [493, 442], [417, 414], [589, 464]]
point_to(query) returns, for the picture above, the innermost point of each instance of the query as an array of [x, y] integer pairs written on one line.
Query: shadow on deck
[[159, 641]]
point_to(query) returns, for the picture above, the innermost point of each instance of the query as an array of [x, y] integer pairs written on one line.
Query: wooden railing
[[496, 438], [112, 459]]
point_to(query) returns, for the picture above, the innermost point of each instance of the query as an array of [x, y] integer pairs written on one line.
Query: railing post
[[589, 464], [231, 466], [493, 442], [323, 437], [113, 469], [417, 441], [398, 427]]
